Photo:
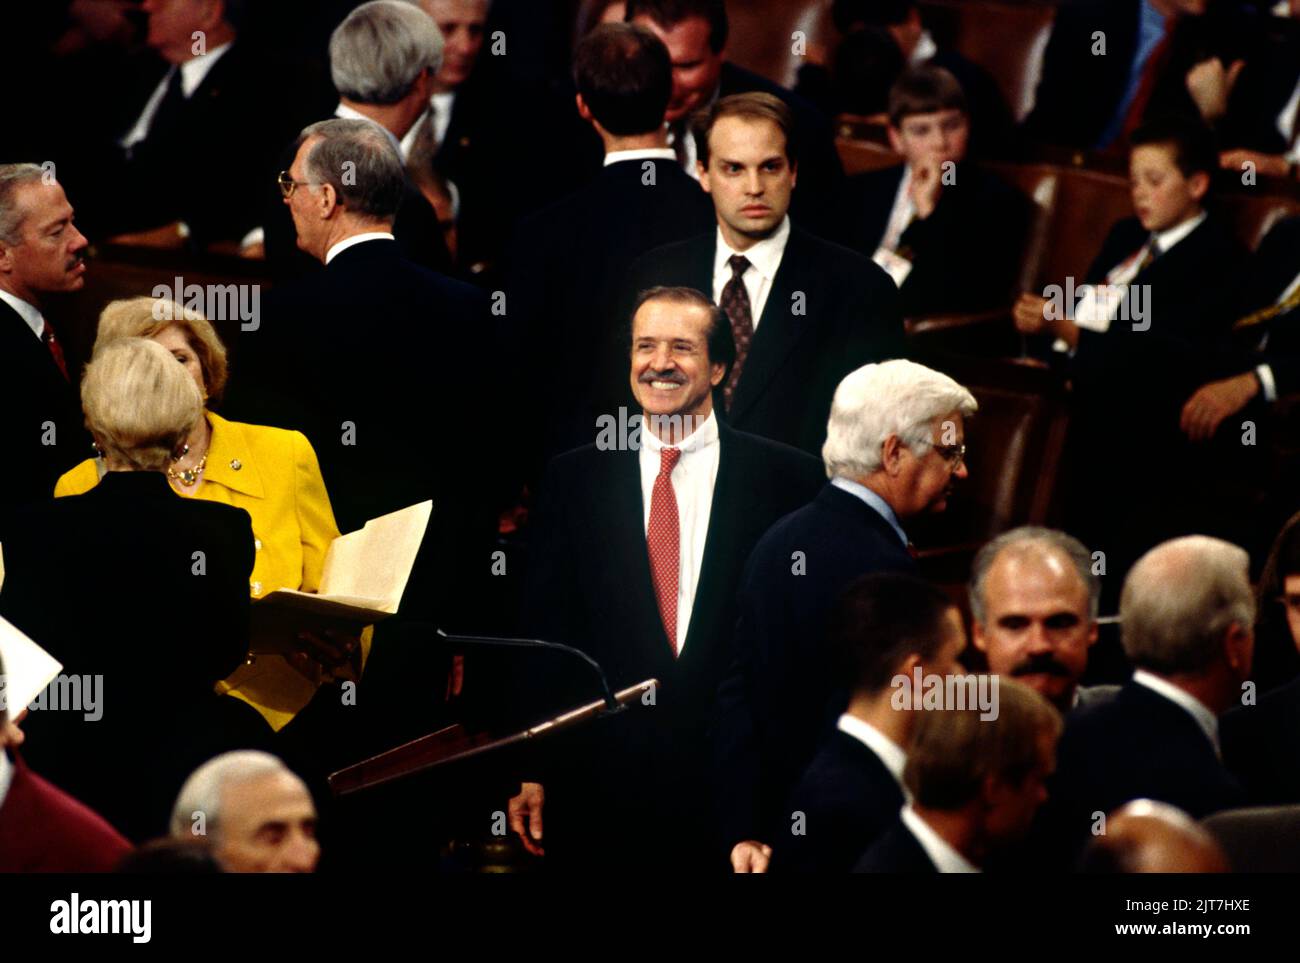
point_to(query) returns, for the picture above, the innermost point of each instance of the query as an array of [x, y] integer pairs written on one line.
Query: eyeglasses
[[288, 184], [952, 454]]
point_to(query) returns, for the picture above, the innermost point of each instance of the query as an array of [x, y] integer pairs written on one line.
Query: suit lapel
[[779, 330]]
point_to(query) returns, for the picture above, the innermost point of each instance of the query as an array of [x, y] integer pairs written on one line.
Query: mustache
[[1042, 664], [650, 376], [79, 259]]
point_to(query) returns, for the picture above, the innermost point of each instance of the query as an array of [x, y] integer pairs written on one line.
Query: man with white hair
[[258, 816], [894, 447], [1188, 614]]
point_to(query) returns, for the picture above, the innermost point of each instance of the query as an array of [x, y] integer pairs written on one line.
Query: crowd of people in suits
[[480, 256]]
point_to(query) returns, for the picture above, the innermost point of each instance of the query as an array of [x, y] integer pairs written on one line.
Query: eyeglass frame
[[954, 455], [288, 185]]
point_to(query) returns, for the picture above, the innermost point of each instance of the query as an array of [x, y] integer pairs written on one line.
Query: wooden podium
[[453, 746]]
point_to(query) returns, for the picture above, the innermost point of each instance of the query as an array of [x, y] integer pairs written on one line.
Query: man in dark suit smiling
[[804, 312], [637, 554]]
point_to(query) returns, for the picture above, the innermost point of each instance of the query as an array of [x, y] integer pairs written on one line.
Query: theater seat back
[[1262, 839], [1006, 39], [1253, 215], [766, 35], [1087, 204], [1039, 184]]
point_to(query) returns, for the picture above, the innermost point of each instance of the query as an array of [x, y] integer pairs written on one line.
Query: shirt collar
[[28, 312], [890, 752], [925, 49], [351, 113], [194, 71], [356, 239], [881, 506], [1168, 238], [645, 153], [945, 858], [765, 256], [228, 449], [1199, 711], [706, 434], [6, 776]]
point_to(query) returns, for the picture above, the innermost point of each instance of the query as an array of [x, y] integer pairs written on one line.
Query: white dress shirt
[[764, 260], [693, 479], [890, 752], [882, 507], [6, 775], [441, 105], [28, 312], [1286, 125], [351, 113], [1098, 303], [945, 858], [354, 240], [1198, 710], [901, 214], [192, 74], [645, 153]]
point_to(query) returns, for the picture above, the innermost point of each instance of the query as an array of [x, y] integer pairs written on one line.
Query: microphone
[[491, 641]]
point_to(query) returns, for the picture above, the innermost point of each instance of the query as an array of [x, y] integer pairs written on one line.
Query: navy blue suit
[[775, 701], [897, 851], [848, 799]]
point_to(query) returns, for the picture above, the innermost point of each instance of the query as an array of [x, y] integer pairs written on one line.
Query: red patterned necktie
[[663, 539], [735, 302], [56, 350]]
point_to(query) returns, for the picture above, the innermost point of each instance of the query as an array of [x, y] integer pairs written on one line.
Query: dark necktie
[[735, 302], [55, 349], [168, 120], [663, 539], [1149, 254]]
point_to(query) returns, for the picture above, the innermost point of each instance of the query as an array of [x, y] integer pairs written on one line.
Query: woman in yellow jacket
[[269, 472]]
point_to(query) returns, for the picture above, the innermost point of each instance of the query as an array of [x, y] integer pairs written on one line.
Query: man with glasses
[[895, 447]]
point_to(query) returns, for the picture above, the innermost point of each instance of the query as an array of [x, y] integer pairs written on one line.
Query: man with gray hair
[[1034, 599], [894, 448], [257, 815], [41, 253], [384, 57], [1188, 615]]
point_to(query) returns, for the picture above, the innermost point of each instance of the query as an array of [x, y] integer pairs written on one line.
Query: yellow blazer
[[273, 475]]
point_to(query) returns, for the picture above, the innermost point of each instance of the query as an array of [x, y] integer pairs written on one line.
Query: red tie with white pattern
[[663, 539], [55, 349]]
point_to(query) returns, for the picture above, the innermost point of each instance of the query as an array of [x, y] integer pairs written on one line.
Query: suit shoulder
[[845, 264], [776, 454]]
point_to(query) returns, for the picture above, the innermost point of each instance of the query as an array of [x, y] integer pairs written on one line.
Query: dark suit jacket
[[1262, 90], [795, 361], [848, 799], [1261, 745], [965, 254], [1081, 91], [230, 130], [1271, 269], [106, 583], [821, 174], [1138, 745], [589, 586], [897, 851], [567, 268], [381, 363], [44, 830], [781, 690], [33, 392]]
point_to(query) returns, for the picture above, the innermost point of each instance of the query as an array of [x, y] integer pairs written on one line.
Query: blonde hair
[[145, 317], [140, 404]]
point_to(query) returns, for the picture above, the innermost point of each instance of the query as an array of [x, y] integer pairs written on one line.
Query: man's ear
[[6, 258], [717, 371], [583, 110], [895, 139], [703, 173], [1092, 632], [1199, 185], [327, 201], [977, 637], [891, 455], [1238, 643], [794, 175]]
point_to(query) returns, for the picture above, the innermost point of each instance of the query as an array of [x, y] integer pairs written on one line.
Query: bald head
[[1152, 837], [1187, 610]]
